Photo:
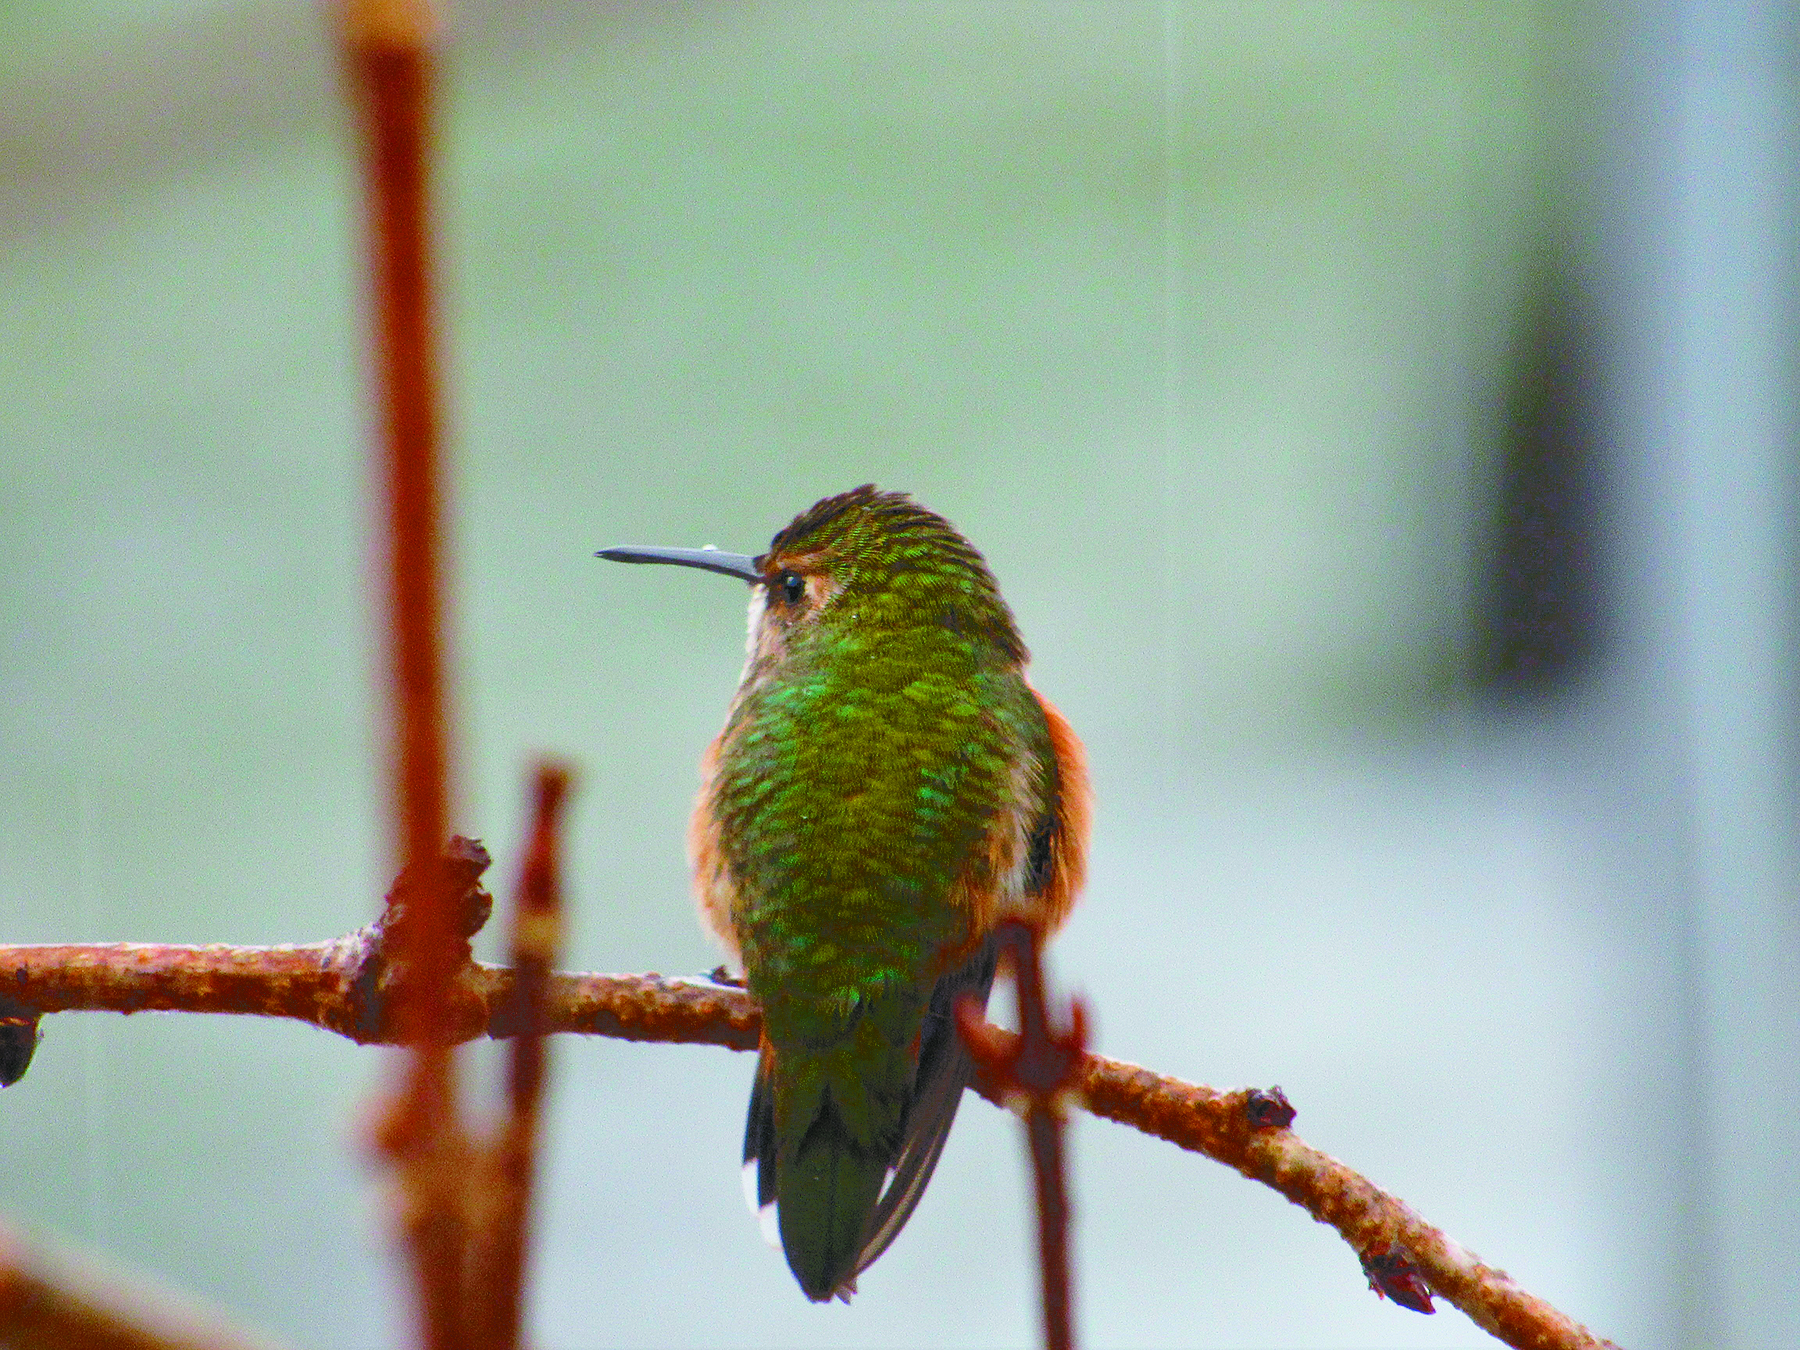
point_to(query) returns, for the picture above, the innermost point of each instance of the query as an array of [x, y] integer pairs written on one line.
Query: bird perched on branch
[[887, 789]]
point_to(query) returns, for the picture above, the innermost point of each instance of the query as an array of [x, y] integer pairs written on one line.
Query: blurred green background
[[1209, 324]]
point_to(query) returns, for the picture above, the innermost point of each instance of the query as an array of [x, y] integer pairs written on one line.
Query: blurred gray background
[[1380, 418]]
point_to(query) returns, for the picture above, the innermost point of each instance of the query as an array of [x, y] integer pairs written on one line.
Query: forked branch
[[346, 986]]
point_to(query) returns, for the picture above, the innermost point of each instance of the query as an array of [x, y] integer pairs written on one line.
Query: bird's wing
[[944, 1070], [1056, 865]]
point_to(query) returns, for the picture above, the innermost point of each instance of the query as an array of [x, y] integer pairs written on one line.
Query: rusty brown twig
[[387, 55], [1238, 1129], [338, 986], [61, 1302], [1035, 1068], [500, 1232], [387, 52], [345, 985]]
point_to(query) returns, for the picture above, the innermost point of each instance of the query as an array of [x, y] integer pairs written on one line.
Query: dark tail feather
[[945, 1069], [827, 1192], [759, 1137], [835, 1216], [817, 1207]]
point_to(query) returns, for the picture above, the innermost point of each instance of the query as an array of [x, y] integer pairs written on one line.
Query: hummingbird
[[887, 789]]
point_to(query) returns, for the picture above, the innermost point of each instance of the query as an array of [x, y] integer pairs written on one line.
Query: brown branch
[[1039, 1066], [500, 1232], [1247, 1129], [64, 1303], [329, 984], [337, 986], [389, 60], [386, 47]]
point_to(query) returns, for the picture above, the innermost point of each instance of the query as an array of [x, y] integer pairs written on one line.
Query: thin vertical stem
[[497, 1288], [1041, 1065], [394, 76], [390, 64], [1043, 1071], [1045, 1128]]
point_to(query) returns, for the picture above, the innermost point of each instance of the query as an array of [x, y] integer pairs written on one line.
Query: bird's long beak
[[739, 565]]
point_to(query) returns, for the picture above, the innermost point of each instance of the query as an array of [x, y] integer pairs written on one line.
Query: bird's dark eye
[[793, 586]]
